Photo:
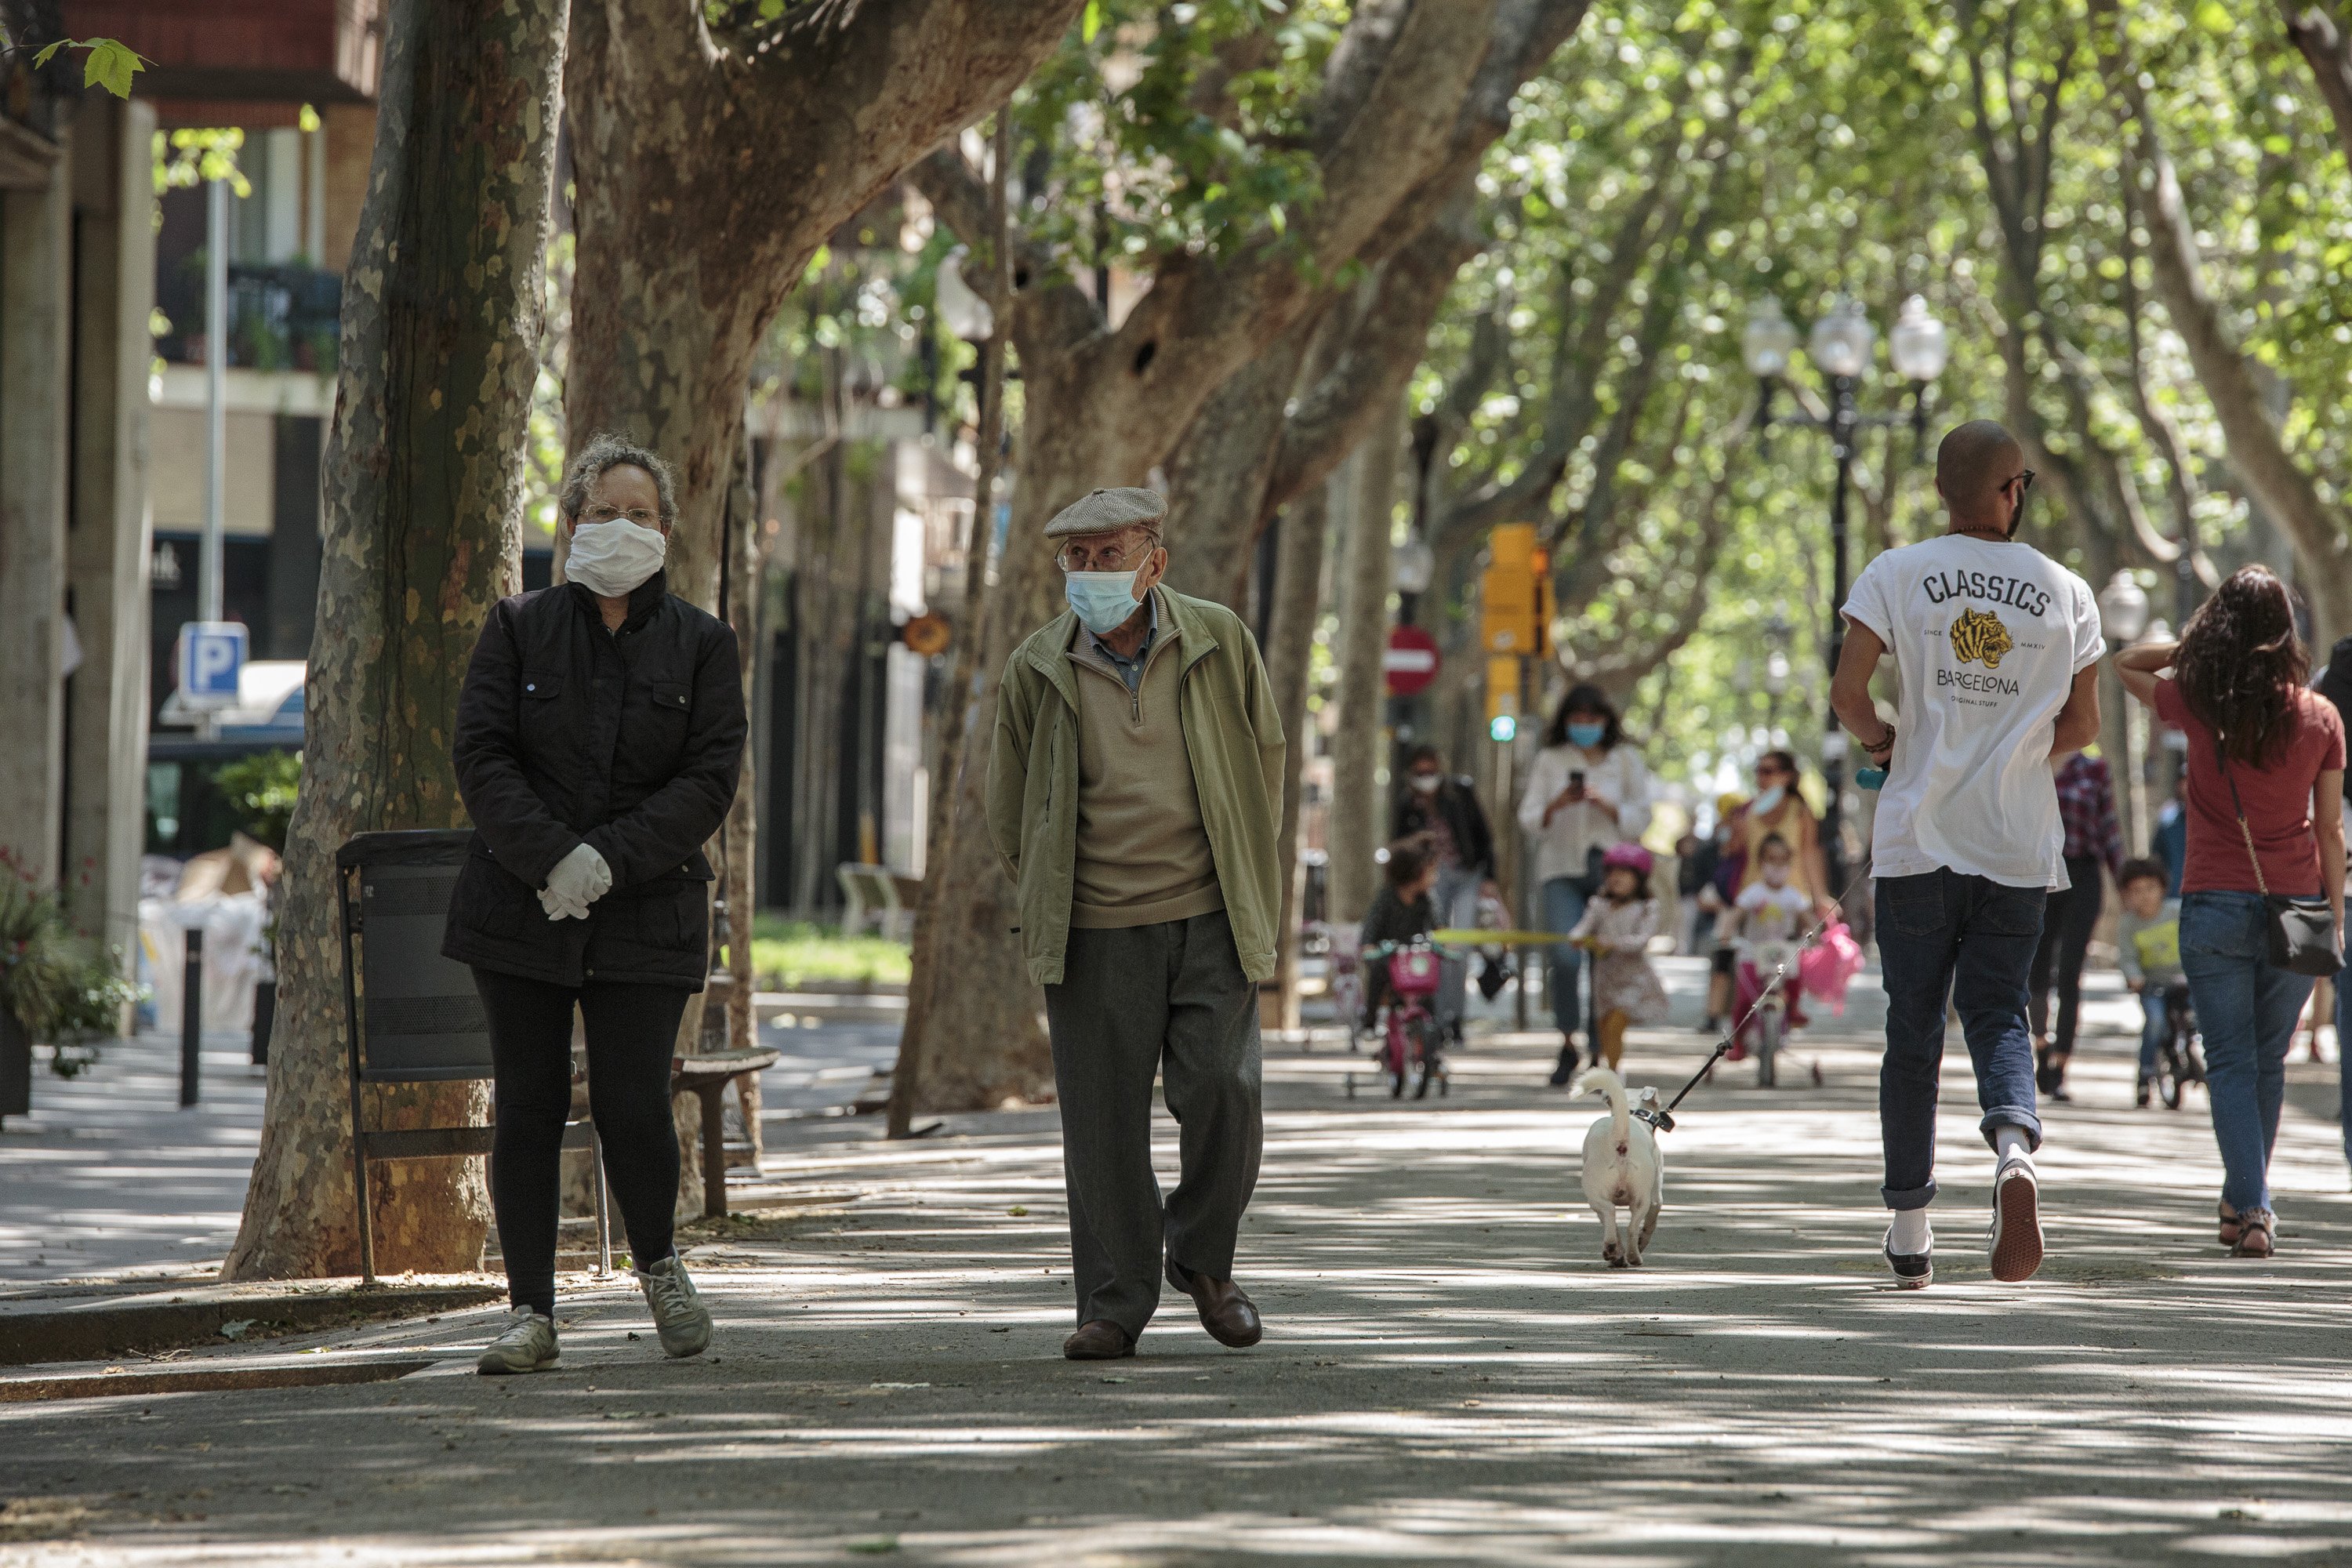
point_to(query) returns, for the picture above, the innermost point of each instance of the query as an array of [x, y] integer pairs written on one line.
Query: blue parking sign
[[212, 653]]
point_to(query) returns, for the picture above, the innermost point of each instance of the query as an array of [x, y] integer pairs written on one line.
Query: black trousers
[[631, 1031], [2066, 925]]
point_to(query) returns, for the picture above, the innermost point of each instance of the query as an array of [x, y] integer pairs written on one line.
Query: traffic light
[[1514, 593]]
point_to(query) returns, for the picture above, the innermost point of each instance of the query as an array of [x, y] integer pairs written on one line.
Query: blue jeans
[[1942, 934], [2246, 1011], [2343, 1038], [1563, 905], [2156, 1028]]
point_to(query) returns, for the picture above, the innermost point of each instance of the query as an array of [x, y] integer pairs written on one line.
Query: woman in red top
[[2265, 783]]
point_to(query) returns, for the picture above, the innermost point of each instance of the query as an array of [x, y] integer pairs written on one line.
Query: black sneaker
[[2015, 1242], [1913, 1270], [2140, 1095], [1562, 1075]]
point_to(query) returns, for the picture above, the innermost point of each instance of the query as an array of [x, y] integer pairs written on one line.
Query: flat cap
[[1106, 512]]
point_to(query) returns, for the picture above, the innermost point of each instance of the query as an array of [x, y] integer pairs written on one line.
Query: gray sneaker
[[528, 1345], [680, 1316]]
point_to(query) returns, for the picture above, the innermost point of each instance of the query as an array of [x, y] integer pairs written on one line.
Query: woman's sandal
[[2228, 1225], [2257, 1235]]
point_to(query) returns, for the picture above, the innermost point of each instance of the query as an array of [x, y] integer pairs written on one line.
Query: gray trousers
[[1170, 1000]]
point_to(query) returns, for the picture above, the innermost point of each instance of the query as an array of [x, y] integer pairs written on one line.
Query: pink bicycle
[[1409, 1039]]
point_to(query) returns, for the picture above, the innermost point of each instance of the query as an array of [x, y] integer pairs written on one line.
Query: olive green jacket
[[1232, 733]]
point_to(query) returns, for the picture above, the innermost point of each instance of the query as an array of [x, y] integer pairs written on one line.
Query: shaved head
[[1975, 466]]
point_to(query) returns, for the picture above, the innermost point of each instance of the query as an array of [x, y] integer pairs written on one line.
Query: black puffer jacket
[[626, 740]]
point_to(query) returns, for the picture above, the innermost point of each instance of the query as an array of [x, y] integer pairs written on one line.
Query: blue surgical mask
[[1586, 735], [1104, 600], [1769, 801]]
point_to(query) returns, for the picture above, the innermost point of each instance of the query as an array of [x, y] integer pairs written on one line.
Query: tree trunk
[[1289, 656], [1359, 819], [741, 832], [992, 270], [422, 519], [708, 172]]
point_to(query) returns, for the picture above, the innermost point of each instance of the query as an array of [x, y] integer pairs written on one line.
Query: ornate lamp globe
[[1768, 339], [2123, 609], [1842, 338], [1918, 344]]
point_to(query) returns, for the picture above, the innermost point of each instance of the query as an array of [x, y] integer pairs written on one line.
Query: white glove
[[579, 879]]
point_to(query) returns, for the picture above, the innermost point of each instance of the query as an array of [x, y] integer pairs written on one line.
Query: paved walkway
[[1450, 1376]]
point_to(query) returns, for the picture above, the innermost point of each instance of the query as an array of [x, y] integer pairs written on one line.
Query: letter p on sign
[[212, 653]]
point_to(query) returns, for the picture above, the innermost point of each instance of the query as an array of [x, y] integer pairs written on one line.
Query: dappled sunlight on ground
[[1450, 1371]]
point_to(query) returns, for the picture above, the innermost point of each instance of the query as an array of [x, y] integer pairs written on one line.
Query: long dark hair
[[1585, 699], [2239, 663]]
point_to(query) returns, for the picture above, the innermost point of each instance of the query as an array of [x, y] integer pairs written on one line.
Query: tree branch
[[2327, 43]]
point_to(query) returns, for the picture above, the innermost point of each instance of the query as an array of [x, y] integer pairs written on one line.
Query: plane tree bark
[[710, 167], [1103, 404], [422, 523]]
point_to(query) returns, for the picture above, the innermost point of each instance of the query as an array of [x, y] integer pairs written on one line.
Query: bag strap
[[2220, 754]]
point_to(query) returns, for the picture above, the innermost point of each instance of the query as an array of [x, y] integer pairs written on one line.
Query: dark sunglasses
[[2024, 482]]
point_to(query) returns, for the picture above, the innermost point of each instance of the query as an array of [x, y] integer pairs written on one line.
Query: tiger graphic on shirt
[[1977, 635]]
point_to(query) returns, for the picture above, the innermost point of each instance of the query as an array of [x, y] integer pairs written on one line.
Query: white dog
[[1621, 1168]]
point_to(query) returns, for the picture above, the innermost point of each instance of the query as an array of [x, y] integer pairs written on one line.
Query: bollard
[[192, 1015]]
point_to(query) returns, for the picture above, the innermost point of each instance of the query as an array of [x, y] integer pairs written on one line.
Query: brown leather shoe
[[1230, 1316], [1101, 1340]]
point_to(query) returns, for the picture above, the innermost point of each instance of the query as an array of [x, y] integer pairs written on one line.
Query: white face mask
[[1776, 876], [1425, 783], [613, 558]]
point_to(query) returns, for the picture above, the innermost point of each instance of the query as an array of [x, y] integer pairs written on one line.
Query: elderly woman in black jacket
[[598, 736]]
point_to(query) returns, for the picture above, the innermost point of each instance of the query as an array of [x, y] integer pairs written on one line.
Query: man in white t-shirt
[[1997, 648]]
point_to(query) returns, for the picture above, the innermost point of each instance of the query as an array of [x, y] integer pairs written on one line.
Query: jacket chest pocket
[[544, 723], [656, 713]]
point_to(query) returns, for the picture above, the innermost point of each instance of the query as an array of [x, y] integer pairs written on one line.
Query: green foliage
[[110, 65], [261, 789], [786, 953], [192, 156], [64, 987], [1125, 156]]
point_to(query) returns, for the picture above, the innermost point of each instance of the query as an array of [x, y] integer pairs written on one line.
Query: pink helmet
[[1633, 857]]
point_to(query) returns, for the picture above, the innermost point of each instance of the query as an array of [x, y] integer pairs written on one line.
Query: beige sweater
[[1142, 854]]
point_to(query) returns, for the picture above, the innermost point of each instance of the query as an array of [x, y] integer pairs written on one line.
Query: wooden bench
[[707, 1076]]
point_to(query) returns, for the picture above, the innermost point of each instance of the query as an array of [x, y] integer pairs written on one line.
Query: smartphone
[[1576, 778]]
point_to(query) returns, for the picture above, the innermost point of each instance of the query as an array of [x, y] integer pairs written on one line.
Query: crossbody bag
[[2301, 931]]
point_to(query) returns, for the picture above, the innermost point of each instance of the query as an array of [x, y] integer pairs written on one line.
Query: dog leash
[[1663, 1120]]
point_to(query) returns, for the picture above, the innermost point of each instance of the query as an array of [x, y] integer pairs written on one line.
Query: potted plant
[[55, 985]]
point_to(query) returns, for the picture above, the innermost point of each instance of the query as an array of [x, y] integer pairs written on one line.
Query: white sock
[[1910, 1235], [2010, 1143]]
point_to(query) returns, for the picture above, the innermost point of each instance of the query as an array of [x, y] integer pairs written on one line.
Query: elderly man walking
[[1135, 790]]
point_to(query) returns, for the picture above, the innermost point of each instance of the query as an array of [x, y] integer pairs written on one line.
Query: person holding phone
[[1587, 792]]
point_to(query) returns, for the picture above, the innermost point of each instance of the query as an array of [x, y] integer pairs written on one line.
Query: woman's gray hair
[[608, 451]]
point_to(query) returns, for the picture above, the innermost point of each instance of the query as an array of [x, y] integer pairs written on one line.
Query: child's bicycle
[[2178, 1061], [1765, 1026], [1410, 1036]]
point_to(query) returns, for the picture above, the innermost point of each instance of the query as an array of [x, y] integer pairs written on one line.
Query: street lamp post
[[1840, 348]]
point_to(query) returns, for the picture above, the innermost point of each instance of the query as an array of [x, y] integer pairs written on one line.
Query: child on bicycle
[[1616, 929], [1401, 911], [1771, 910], [2148, 950]]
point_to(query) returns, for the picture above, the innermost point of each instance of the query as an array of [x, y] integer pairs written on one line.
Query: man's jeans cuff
[[1909, 1197], [2018, 1116]]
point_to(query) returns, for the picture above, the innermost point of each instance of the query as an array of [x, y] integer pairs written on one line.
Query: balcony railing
[[280, 318]]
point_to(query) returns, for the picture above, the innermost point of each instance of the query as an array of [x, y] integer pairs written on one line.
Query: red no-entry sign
[[1411, 661]]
